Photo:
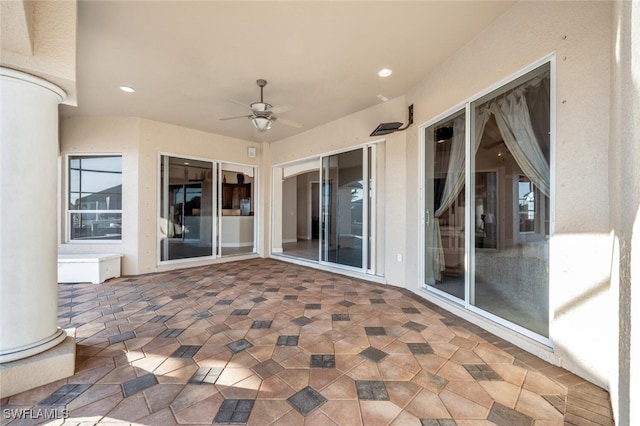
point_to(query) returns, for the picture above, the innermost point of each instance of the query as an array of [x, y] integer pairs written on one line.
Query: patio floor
[[267, 342]]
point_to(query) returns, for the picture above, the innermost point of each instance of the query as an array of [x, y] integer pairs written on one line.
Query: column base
[[38, 370]]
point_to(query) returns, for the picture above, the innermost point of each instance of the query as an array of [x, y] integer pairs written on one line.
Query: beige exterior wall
[[594, 224], [579, 35], [141, 142]]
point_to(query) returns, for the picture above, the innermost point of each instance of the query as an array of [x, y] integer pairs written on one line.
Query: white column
[[28, 208]]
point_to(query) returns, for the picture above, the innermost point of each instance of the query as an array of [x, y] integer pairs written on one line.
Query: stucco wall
[[579, 35], [141, 142], [105, 136], [624, 169]]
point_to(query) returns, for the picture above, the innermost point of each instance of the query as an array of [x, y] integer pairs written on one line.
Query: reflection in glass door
[[444, 205], [186, 216], [343, 205]]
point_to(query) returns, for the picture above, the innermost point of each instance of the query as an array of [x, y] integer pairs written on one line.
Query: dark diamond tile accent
[[502, 415], [152, 308], [290, 297], [261, 324], [438, 422], [415, 326], [258, 299], [328, 287], [287, 341], [241, 312], [202, 315], [122, 337], [267, 368], [272, 290], [377, 291], [65, 394], [481, 372], [238, 346], [307, 400], [411, 310], [179, 296], [234, 411], [340, 317], [161, 318], [302, 321], [225, 302], [186, 351], [373, 354], [377, 301], [112, 311], [300, 288], [312, 306], [138, 384], [70, 304], [350, 293], [212, 293], [346, 303], [420, 348], [205, 376], [375, 331], [70, 314], [256, 283], [323, 361], [372, 390], [171, 332]]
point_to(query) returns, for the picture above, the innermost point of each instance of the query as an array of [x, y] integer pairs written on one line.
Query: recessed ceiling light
[[385, 72], [127, 89], [383, 98]]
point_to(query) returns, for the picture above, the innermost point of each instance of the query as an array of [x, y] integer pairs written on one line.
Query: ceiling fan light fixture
[[260, 106], [261, 123]]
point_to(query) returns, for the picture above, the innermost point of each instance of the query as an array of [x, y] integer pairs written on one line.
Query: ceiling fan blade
[[281, 108], [289, 123], [242, 104], [233, 117]]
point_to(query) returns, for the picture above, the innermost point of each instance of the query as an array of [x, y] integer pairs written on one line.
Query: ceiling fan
[[263, 114]]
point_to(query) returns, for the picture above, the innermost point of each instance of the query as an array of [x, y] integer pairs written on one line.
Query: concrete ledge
[[46, 367]]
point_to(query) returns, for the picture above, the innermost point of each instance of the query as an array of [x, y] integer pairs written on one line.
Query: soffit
[[187, 60]]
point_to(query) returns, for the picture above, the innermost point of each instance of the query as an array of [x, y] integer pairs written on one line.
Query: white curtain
[[454, 182], [512, 117], [514, 122]]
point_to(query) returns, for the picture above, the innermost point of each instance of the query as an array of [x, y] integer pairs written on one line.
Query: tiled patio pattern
[[265, 342]]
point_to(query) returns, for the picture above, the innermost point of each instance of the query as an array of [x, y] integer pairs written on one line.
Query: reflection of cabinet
[[233, 193]]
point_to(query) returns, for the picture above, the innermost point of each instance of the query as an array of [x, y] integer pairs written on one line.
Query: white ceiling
[[187, 60]]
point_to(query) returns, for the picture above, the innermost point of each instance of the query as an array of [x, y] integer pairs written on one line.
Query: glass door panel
[[511, 209], [445, 206], [343, 203], [237, 203], [186, 213]]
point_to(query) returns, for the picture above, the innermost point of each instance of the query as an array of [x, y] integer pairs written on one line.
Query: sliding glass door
[[186, 214], [206, 209], [487, 204], [343, 202]]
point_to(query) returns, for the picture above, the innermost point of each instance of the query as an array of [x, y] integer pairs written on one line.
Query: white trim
[[25, 78]]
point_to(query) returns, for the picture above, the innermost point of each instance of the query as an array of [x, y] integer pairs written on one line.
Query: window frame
[[69, 212]]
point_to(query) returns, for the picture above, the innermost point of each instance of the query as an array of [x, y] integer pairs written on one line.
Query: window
[[95, 197]]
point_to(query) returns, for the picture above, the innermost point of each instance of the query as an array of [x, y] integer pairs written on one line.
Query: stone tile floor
[[266, 342]]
